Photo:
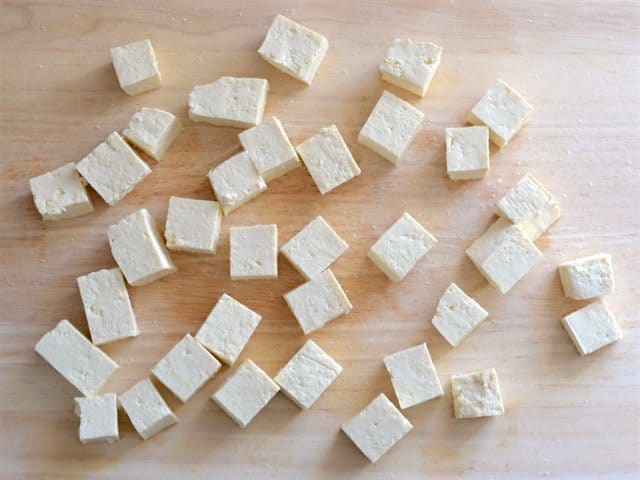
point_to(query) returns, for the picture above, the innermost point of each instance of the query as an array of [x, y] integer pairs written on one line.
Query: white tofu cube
[[138, 249], [467, 152], [587, 277], [293, 49], [153, 130], [253, 252], [457, 314], [245, 393], [377, 428], [307, 375], [193, 225], [476, 394], [82, 364], [98, 418], [592, 327], [411, 65], [391, 127], [136, 67], [145, 407]]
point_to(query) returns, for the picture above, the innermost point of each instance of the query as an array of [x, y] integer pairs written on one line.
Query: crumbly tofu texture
[[253, 252], [314, 248], [193, 225], [82, 364], [107, 306], [245, 393], [153, 130], [328, 159], [457, 314], [476, 394], [293, 49], [400, 248], [411, 65], [136, 67], [146, 409], [138, 249], [307, 375], [592, 327], [587, 277], [98, 418], [413, 376], [467, 152], [391, 127], [318, 301], [377, 428]]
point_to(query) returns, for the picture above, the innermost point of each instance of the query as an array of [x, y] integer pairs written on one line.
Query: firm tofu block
[[193, 225], [503, 110], [467, 152], [253, 252], [400, 248], [476, 394], [153, 130], [587, 277], [60, 193], [82, 364], [328, 159], [377, 428], [413, 376], [186, 368], [229, 102], [314, 248], [318, 301], [146, 409], [307, 375], [113, 169], [269, 149], [236, 181], [391, 127], [293, 49], [592, 327], [107, 306], [245, 392], [228, 328], [98, 418], [138, 249], [411, 65], [457, 314], [136, 67]]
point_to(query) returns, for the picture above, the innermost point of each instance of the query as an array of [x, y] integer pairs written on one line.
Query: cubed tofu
[[193, 225], [98, 418], [136, 67], [587, 277], [476, 394], [457, 314], [411, 65], [147, 410], [253, 252], [592, 327], [153, 130], [467, 152]]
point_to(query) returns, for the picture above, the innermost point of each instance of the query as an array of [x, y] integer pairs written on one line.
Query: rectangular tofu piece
[[587, 277], [98, 418], [82, 364], [107, 306], [147, 410], [253, 252], [153, 130], [592, 327], [467, 152], [377, 428], [411, 65], [136, 67], [476, 394], [138, 249], [193, 225], [457, 314]]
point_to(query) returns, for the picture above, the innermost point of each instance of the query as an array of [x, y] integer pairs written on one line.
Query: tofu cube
[[153, 130], [400, 248], [253, 252], [293, 49], [391, 127], [193, 225], [411, 65], [377, 428], [477, 394], [136, 67], [467, 152], [98, 418], [457, 314], [592, 327], [587, 277], [145, 407]]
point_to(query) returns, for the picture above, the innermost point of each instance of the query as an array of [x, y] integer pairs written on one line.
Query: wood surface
[[578, 63]]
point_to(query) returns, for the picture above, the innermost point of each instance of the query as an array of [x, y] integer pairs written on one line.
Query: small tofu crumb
[[476, 394], [587, 277], [411, 65], [153, 130], [98, 418], [193, 225], [146, 409], [457, 314], [592, 327], [136, 67], [253, 252], [467, 152]]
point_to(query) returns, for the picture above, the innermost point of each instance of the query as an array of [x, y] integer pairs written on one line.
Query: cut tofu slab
[[253, 252], [411, 65], [98, 418], [592, 327], [136, 67], [476, 394], [457, 314], [467, 152], [146, 409], [587, 277], [153, 130], [193, 225]]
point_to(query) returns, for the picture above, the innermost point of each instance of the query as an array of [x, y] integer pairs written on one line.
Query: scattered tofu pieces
[[457, 314], [146, 409], [592, 327], [587, 277], [136, 67], [400, 248], [477, 394], [82, 364], [413, 376], [293, 49], [467, 152], [377, 428], [253, 252], [411, 65], [138, 249], [245, 393], [307, 375], [153, 130], [193, 225], [98, 418]]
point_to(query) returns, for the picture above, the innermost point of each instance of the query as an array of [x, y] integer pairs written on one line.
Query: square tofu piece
[[229, 102], [113, 169], [61, 193], [587, 277], [293, 49], [467, 152], [398, 250], [228, 328], [193, 225], [107, 306], [186, 368], [245, 393], [328, 159], [592, 327], [318, 301], [413, 376], [269, 149], [391, 127], [307, 375], [411, 65], [253, 252], [146, 409], [152, 130], [503, 110], [138, 250], [236, 181], [457, 314], [377, 428], [503, 254], [98, 418], [476, 394], [82, 364], [136, 67]]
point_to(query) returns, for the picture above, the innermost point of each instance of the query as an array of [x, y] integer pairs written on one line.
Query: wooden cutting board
[[577, 62]]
